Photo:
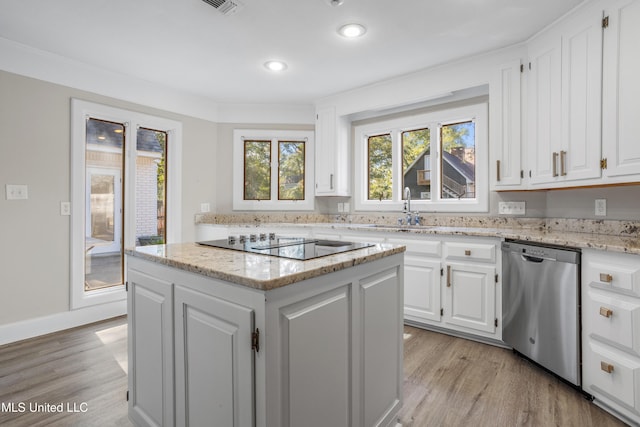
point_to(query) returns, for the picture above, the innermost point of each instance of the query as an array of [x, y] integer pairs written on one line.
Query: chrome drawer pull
[[467, 252], [607, 367], [606, 312], [606, 278]]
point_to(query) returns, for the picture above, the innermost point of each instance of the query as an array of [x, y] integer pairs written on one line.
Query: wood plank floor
[[448, 382]]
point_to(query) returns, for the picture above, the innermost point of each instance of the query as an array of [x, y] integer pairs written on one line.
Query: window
[[274, 170], [441, 156], [121, 197]]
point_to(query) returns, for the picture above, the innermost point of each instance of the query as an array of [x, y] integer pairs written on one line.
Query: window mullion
[[275, 168]]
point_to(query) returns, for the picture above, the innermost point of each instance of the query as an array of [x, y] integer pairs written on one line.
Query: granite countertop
[[624, 239], [607, 242], [260, 272]]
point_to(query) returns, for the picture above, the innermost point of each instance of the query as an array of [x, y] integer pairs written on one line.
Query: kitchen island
[[219, 337]]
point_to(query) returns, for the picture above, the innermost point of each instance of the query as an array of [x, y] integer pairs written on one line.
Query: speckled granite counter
[[256, 271], [608, 235]]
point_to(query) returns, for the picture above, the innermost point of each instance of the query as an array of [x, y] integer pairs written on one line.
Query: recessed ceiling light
[[275, 65], [351, 31]]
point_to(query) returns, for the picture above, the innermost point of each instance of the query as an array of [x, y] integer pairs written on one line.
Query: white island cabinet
[[218, 337]]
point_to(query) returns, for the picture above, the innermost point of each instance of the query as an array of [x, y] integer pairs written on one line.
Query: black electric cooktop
[[286, 247]]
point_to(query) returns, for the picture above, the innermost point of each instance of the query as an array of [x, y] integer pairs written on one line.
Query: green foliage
[[414, 144], [291, 170], [257, 170], [380, 167]]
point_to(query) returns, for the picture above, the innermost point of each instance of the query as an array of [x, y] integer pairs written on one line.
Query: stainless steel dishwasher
[[540, 305]]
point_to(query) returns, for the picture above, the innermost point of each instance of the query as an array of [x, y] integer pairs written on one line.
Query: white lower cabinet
[[324, 351], [450, 283], [422, 288], [150, 349], [213, 361], [470, 297], [611, 331]]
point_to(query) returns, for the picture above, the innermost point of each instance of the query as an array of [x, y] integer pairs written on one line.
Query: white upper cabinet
[[332, 154], [621, 92], [565, 78], [544, 108], [505, 127]]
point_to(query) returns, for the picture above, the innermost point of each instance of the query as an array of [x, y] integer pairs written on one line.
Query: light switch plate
[[65, 208], [601, 207], [511, 208], [17, 192], [205, 207]]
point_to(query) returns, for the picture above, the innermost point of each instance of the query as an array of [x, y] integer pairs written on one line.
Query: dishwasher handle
[[535, 259]]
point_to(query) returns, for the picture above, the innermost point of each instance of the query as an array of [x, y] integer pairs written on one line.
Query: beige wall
[[35, 150]]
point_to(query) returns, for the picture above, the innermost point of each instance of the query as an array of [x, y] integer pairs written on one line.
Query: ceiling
[[188, 45]]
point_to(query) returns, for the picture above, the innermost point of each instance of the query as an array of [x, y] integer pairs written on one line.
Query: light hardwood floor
[[448, 382]]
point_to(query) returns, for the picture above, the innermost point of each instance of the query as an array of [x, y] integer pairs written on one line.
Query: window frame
[[275, 136], [432, 120], [80, 111]]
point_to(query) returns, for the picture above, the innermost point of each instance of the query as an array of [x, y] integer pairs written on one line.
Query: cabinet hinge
[[529, 174], [603, 163], [126, 286], [522, 68], [496, 322], [127, 395], [522, 174], [442, 272], [442, 312], [605, 22], [529, 65], [496, 278], [255, 340]]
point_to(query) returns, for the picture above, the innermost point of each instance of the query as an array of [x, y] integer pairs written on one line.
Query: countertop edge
[[317, 267]]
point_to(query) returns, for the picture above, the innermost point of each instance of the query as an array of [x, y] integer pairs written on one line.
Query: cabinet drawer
[[420, 247], [617, 272], [470, 251], [612, 318], [611, 372]]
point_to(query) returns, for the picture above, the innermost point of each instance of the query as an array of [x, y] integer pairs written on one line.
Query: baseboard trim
[[31, 328]]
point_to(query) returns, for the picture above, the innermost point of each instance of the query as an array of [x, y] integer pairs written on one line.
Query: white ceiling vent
[[226, 7]]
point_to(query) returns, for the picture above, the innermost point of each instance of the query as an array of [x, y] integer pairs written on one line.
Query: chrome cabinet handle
[[563, 163], [555, 164], [607, 367], [606, 278], [606, 312], [448, 276]]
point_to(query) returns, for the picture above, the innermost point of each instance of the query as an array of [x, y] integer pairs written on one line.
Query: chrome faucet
[[407, 195], [407, 208]]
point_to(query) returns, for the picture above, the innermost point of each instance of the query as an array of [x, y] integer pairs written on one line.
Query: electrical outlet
[[340, 207], [205, 207], [601, 207], [511, 208], [347, 207], [17, 192], [65, 208]]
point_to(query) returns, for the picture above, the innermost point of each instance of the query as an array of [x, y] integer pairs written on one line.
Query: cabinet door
[[325, 153], [316, 332], [381, 314], [505, 125], [470, 295], [332, 154], [150, 349], [421, 289], [214, 361], [544, 109], [579, 155], [621, 90]]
